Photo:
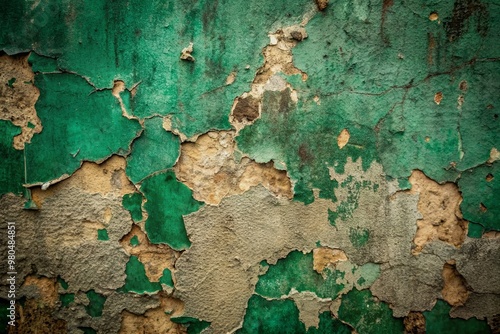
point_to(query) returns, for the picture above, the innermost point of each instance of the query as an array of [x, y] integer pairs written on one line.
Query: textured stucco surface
[[253, 167]]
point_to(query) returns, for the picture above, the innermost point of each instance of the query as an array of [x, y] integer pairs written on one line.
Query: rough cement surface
[[209, 167]]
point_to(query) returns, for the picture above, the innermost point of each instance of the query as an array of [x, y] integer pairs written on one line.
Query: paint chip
[[343, 138], [438, 97]]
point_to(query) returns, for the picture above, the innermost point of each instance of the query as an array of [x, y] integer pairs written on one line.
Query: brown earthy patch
[[47, 289], [209, 168], [35, 318], [154, 257], [321, 4], [343, 138], [455, 287], [106, 178], [438, 97], [18, 96], [440, 208], [414, 323], [325, 256], [155, 320], [489, 177], [246, 109]]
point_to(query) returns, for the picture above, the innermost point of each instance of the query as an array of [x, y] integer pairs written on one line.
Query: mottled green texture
[[89, 126], [350, 203], [481, 196], [166, 278], [287, 133], [96, 303], [141, 42], [12, 166], [155, 150], [271, 316], [194, 326], [167, 200], [102, 234], [296, 272], [136, 280], [438, 321], [359, 236], [375, 53], [367, 315], [377, 76], [133, 203], [66, 298]]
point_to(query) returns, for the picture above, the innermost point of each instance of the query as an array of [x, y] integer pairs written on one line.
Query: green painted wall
[[350, 99]]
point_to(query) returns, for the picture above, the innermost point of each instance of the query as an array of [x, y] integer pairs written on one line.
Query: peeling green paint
[[481, 197], [89, 127], [96, 303], [367, 315], [438, 321], [194, 326], [167, 200], [12, 166], [133, 203], [136, 280], [155, 150], [296, 272], [66, 299]]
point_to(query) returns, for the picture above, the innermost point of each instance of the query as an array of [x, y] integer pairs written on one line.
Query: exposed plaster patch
[[209, 167], [343, 138], [440, 209], [155, 257], [186, 53], [325, 256], [438, 97], [18, 96], [494, 155], [433, 16], [155, 320], [107, 178], [455, 287], [118, 88]]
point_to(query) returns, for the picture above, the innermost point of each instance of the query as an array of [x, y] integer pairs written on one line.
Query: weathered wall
[[251, 166]]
